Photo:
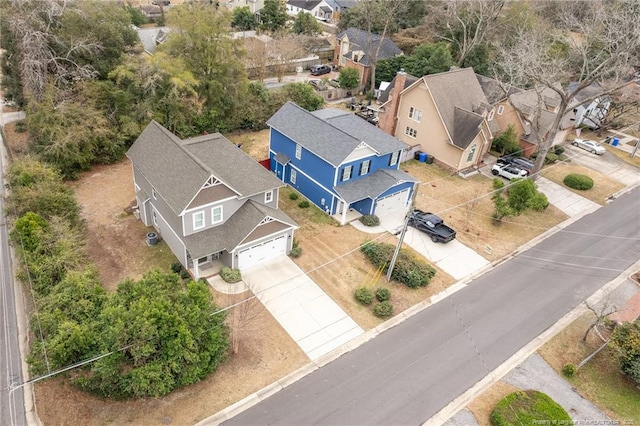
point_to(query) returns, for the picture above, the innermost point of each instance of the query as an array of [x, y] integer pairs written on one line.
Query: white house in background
[[590, 113], [320, 9]]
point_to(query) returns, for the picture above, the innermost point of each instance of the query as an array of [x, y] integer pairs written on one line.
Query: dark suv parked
[[320, 69], [520, 162]]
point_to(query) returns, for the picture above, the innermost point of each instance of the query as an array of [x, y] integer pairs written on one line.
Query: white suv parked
[[508, 171]]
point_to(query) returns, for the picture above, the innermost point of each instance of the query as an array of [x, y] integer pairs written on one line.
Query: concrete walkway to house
[[566, 200], [316, 323], [454, 258]]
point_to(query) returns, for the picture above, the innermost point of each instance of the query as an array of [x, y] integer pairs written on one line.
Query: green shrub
[[551, 158], [21, 127], [409, 270], [578, 181], [364, 295], [304, 204], [230, 275], [293, 196], [569, 370], [558, 150], [296, 251], [370, 220], [383, 309], [383, 294], [538, 202], [176, 267], [528, 407], [184, 274]]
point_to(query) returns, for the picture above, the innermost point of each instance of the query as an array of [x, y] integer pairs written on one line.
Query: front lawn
[[603, 186]]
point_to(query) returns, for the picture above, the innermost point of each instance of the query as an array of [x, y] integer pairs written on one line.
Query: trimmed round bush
[[176, 267], [383, 294], [538, 202], [293, 196], [558, 149], [383, 309], [364, 295], [184, 274], [528, 407], [578, 181], [230, 275], [569, 370], [370, 220], [304, 204]]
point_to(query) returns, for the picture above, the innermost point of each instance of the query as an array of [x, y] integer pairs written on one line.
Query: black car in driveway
[[520, 162], [431, 225]]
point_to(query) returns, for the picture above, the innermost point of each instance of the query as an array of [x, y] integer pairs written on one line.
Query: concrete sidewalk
[[316, 323], [568, 201]]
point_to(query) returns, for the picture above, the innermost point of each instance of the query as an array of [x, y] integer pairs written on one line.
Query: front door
[[340, 207]]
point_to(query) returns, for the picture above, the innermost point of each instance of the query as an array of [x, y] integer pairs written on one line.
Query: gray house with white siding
[[208, 200]]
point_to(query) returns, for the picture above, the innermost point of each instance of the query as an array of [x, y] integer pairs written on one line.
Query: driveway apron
[[568, 201], [314, 321]]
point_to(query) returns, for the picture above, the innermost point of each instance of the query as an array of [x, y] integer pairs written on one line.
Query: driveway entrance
[[316, 323]]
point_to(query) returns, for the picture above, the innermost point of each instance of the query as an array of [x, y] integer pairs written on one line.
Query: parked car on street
[[508, 171], [520, 162], [431, 225], [589, 145], [320, 69]]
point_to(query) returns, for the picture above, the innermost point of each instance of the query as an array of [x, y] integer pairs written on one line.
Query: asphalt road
[[12, 410], [409, 373]]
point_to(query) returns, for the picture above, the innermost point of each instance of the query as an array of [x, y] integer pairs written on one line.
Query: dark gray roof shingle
[[332, 139], [304, 4], [373, 185], [177, 169], [234, 231], [358, 41], [493, 90]]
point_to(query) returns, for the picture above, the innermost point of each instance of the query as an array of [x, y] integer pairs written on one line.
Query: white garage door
[[268, 250], [392, 203]]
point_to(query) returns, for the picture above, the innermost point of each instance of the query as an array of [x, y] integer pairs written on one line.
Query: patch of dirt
[[18, 143], [483, 405]]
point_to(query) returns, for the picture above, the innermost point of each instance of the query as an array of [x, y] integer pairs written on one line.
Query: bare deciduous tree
[[602, 46], [244, 318], [464, 24], [283, 51]]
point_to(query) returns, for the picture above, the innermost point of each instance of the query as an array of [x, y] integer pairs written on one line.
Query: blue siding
[[363, 206], [314, 166], [310, 189], [377, 163]]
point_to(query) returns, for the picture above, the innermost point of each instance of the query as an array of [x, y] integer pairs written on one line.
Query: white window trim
[[201, 213], [154, 194], [298, 151], [364, 170], [213, 214], [293, 176], [394, 158], [411, 132], [268, 196], [472, 153], [490, 117], [344, 173], [154, 217], [500, 109], [415, 114]]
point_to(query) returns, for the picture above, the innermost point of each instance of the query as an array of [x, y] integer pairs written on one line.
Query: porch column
[[345, 207], [196, 271]]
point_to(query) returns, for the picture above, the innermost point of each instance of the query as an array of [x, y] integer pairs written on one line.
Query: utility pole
[[404, 231]]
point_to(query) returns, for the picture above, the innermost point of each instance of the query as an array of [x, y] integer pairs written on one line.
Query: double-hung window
[[198, 220], [294, 175], [415, 114], [346, 173], [364, 167], [216, 214], [268, 197], [298, 151], [411, 132], [393, 160]]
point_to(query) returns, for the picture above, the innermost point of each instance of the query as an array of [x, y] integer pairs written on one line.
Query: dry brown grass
[[482, 406], [256, 144], [450, 196], [603, 186], [625, 156]]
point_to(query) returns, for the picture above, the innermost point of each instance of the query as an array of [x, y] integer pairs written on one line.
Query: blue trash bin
[[615, 142], [423, 157]]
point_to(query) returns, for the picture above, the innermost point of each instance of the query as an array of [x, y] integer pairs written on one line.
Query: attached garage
[[392, 203], [255, 254]]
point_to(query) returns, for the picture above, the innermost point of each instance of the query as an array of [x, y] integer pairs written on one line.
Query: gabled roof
[[458, 97], [384, 96], [177, 169], [235, 230], [359, 40], [592, 90], [333, 138], [372, 186], [528, 101], [493, 90], [304, 4]]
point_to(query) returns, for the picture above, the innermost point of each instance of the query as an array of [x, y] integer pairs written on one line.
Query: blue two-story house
[[339, 161]]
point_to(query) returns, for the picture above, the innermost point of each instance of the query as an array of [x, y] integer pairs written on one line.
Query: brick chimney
[[388, 119]]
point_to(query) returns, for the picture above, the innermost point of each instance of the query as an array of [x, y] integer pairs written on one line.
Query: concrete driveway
[[568, 201], [316, 323], [454, 258]]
